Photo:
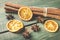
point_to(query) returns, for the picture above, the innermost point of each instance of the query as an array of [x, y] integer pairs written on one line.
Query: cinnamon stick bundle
[[19, 6], [36, 13], [9, 7], [49, 10]]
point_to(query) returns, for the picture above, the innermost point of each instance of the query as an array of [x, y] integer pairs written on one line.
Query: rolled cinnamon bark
[[19, 6], [10, 11], [38, 13], [48, 15], [49, 10], [54, 11], [10, 8]]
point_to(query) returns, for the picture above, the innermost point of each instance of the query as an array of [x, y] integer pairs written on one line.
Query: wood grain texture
[[42, 34]]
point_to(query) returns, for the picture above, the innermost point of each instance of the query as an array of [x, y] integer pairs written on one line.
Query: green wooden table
[[42, 35]]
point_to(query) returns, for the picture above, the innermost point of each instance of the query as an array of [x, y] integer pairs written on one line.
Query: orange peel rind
[[25, 13], [14, 25], [51, 26]]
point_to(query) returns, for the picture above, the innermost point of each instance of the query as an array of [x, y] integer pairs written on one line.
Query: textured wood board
[[42, 34]]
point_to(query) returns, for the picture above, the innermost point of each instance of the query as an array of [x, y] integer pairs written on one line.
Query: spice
[[50, 10], [35, 28], [37, 11], [40, 19], [11, 9], [10, 17], [26, 34]]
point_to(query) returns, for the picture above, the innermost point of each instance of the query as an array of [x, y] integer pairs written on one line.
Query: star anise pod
[[10, 17], [35, 28]]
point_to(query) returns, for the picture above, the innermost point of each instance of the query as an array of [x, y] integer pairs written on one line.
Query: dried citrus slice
[[14, 25], [51, 26], [25, 13]]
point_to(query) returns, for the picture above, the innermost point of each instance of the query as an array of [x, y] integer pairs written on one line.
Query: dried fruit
[[51, 26], [14, 25], [25, 13]]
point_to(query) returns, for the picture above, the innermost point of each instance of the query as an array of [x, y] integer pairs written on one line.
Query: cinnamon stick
[[19, 6], [54, 11], [10, 11], [49, 10], [10, 8], [48, 15], [38, 13]]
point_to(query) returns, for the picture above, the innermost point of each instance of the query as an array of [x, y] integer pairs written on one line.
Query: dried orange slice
[[14, 25], [51, 26], [25, 13]]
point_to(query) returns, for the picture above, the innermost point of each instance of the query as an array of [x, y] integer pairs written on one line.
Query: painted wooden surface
[[42, 34]]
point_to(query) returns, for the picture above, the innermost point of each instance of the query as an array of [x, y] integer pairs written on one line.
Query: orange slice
[[25, 13], [14, 25], [51, 26]]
